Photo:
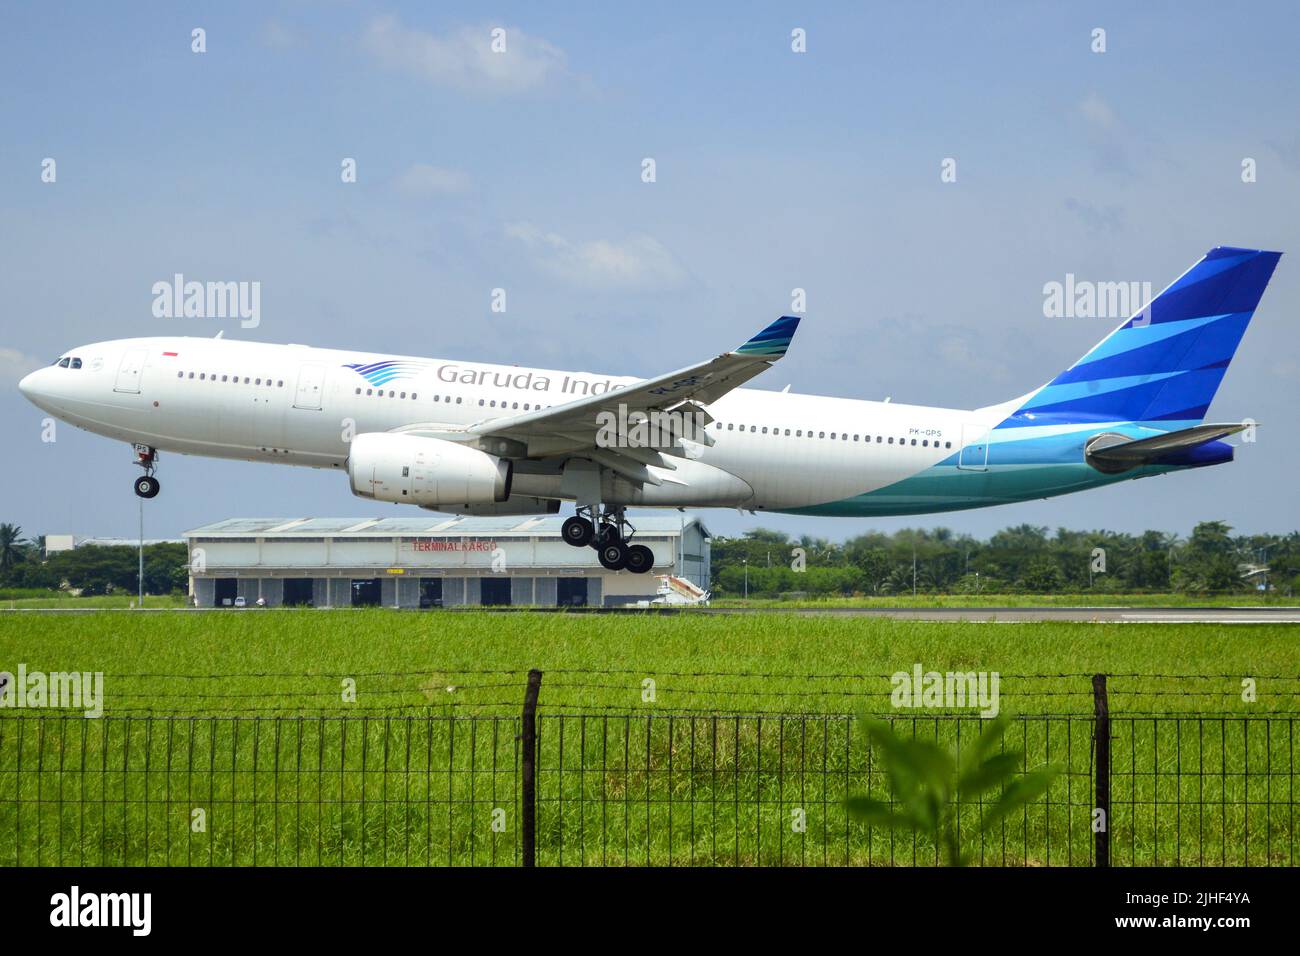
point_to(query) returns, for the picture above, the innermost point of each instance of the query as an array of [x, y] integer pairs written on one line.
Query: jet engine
[[514, 505], [430, 472]]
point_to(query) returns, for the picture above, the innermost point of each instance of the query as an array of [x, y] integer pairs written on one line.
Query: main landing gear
[[607, 530], [147, 486]]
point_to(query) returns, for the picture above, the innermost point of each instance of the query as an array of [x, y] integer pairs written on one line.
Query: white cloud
[[278, 35], [637, 262], [1107, 136], [15, 364], [464, 58], [1097, 111], [423, 181]]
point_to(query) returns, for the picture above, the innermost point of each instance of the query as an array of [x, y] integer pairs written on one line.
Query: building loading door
[[495, 592], [366, 592], [130, 371], [430, 592], [311, 382], [974, 454], [571, 592]]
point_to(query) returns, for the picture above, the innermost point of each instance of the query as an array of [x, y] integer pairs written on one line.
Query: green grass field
[[16, 600], [99, 601], [740, 752]]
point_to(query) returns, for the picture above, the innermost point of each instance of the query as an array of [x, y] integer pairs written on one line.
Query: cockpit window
[[64, 362], [76, 363]]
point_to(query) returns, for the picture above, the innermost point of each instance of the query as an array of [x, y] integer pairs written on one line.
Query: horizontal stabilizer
[[1111, 452]]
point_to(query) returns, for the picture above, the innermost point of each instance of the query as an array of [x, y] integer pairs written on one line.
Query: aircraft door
[[130, 371], [311, 383]]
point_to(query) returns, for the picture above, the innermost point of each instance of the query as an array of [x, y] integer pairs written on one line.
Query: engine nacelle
[[514, 505], [431, 472]]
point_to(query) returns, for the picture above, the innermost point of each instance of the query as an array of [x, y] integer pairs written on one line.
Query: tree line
[[92, 570], [766, 563], [1023, 559]]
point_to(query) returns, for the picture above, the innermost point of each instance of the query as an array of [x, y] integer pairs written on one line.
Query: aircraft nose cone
[[35, 387]]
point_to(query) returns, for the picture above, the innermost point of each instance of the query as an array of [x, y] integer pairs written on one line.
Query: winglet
[[774, 340]]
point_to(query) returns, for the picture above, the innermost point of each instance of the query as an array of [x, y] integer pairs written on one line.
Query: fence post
[[1101, 740], [528, 785]]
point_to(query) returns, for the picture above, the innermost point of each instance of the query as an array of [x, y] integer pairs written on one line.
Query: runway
[[1092, 615]]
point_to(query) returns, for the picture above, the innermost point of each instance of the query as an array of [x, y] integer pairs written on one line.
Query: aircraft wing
[[575, 426]]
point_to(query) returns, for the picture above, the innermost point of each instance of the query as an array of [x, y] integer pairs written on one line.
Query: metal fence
[[620, 788]]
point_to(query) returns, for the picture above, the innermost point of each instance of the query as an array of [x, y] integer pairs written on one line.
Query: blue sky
[[775, 170]]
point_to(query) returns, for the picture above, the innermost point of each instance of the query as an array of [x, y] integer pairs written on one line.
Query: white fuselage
[[298, 405]]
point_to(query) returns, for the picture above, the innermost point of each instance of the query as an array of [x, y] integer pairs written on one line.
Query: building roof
[[421, 524]]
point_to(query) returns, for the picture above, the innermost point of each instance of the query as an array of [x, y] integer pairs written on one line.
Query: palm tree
[[12, 546]]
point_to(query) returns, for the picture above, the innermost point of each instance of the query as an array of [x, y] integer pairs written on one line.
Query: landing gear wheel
[[613, 557], [147, 486], [577, 531], [640, 559], [609, 533], [146, 456]]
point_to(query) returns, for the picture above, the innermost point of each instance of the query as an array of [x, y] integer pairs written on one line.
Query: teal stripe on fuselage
[[1018, 470], [948, 488]]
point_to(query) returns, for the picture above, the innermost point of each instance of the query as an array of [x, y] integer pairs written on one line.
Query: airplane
[[474, 438]]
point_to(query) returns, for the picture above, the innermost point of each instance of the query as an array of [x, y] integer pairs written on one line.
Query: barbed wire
[[654, 672]]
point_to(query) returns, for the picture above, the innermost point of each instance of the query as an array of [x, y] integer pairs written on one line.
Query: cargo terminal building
[[429, 561]]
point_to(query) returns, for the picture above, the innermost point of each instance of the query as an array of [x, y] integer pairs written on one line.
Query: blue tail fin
[[1164, 365]]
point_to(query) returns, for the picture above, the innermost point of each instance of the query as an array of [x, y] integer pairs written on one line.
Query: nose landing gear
[[608, 531], [147, 486]]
